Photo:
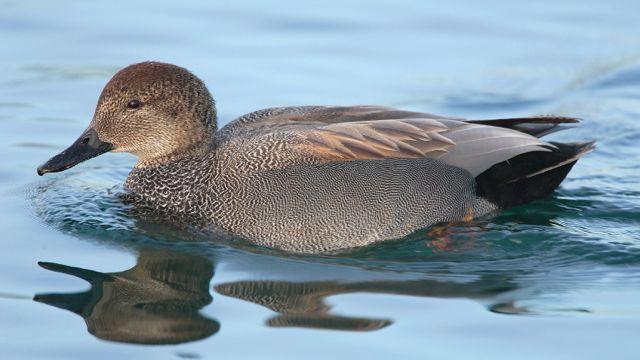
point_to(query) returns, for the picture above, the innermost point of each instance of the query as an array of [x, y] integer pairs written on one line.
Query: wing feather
[[474, 147], [380, 139]]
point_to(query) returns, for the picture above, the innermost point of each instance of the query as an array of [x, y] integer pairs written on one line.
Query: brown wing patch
[[365, 140]]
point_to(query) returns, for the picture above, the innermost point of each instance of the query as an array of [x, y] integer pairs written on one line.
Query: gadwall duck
[[314, 178]]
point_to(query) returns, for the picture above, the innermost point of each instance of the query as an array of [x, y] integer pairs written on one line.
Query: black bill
[[86, 147]]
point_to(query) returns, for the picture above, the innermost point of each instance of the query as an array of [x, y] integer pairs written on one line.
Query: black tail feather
[[537, 126], [529, 176]]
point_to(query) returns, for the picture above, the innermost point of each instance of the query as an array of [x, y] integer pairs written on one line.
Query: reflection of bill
[[155, 302]]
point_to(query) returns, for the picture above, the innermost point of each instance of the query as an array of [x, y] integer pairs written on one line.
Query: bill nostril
[[85, 141]]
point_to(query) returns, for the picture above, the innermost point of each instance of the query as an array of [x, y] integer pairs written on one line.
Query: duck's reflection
[[155, 302], [158, 300], [302, 304], [299, 304]]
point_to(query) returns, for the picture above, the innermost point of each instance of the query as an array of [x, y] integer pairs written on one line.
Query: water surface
[[558, 278]]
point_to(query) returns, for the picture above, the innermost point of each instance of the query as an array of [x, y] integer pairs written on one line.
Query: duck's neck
[[175, 185], [194, 150]]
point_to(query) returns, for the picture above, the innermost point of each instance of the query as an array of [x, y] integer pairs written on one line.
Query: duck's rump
[[529, 176], [532, 175]]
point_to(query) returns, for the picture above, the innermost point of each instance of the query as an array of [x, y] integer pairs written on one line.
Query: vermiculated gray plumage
[[314, 208]]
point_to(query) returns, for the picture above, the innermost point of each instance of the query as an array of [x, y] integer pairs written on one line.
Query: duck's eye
[[134, 104]]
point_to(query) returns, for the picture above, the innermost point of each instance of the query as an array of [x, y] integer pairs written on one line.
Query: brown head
[[153, 110]]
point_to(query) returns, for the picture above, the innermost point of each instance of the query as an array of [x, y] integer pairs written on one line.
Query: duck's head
[[153, 110]]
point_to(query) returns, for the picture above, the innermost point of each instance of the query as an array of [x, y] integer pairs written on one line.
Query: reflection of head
[[155, 302]]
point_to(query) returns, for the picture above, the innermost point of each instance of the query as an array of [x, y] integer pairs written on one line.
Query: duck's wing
[[336, 134], [266, 119]]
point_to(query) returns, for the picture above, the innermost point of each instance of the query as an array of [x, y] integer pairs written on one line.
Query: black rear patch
[[529, 176]]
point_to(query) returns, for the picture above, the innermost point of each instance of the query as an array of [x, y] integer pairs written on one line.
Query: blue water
[[556, 279]]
